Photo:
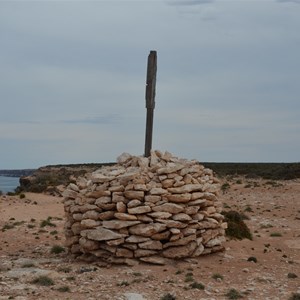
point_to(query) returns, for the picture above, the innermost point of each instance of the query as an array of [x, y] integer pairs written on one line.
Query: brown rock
[[161, 236], [158, 191], [140, 187], [118, 197], [118, 224], [151, 245], [169, 207], [160, 215], [91, 214], [88, 245], [167, 183], [178, 198], [125, 217], [191, 210], [199, 251], [186, 189], [116, 188], [134, 203], [122, 252], [143, 253], [144, 218], [101, 234], [181, 242], [181, 217], [180, 251], [147, 229], [156, 260], [89, 223], [116, 242], [152, 199], [172, 223], [170, 168], [107, 215], [139, 195], [139, 210], [98, 194], [137, 239], [121, 207]]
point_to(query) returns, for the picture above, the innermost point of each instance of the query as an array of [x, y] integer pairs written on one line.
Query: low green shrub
[[43, 281], [56, 249], [236, 226]]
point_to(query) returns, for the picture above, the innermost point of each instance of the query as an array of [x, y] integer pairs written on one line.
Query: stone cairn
[[144, 209]]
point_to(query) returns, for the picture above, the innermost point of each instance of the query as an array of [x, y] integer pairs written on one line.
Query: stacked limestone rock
[[148, 209]]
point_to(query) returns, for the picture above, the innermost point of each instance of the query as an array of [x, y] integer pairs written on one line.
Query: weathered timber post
[[150, 99]]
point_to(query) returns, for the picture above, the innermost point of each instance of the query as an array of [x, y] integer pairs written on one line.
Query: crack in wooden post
[[150, 99]]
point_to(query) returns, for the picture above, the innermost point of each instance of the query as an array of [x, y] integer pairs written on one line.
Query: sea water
[[8, 184]]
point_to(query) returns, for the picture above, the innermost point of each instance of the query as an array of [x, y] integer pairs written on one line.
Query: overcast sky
[[72, 80]]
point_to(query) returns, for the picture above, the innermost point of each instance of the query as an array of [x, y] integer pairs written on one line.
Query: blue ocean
[[8, 184]]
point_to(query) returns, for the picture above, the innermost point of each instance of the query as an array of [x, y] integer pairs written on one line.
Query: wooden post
[[150, 99]]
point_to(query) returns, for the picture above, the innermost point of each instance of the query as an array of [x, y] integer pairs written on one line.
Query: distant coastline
[[17, 173]]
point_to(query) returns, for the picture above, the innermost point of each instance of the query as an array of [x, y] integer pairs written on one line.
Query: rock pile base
[[145, 209]]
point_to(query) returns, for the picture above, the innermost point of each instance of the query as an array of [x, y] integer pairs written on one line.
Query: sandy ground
[[274, 212]]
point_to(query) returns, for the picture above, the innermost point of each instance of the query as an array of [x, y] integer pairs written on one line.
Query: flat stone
[[122, 252], [107, 215], [139, 195], [125, 217], [115, 242], [91, 214], [167, 183], [140, 187], [180, 251], [197, 202], [160, 215], [152, 199], [198, 216], [143, 253], [161, 235], [178, 198], [139, 210], [116, 188], [172, 223], [188, 188], [98, 194], [215, 242], [134, 203], [169, 207], [191, 210], [101, 234], [137, 239], [118, 197], [151, 245], [118, 224], [147, 229], [88, 245], [156, 260], [181, 242], [158, 191], [170, 168], [181, 217], [100, 178], [89, 223]]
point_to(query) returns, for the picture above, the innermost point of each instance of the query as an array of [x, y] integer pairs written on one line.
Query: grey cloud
[[105, 119], [189, 2], [289, 1]]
